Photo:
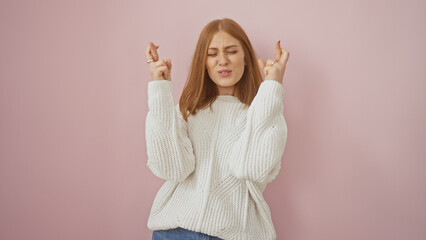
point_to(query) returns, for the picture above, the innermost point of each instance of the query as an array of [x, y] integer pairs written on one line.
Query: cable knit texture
[[217, 164]]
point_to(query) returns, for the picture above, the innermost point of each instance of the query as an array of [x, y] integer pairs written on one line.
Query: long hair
[[199, 90]]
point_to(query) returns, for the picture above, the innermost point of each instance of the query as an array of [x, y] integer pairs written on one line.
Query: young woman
[[220, 146]]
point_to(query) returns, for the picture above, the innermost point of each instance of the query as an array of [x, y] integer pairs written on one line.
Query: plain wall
[[73, 102]]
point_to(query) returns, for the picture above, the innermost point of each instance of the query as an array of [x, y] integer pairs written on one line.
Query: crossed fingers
[[281, 55], [151, 52]]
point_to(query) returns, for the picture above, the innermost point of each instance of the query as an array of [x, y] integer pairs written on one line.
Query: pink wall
[[73, 103]]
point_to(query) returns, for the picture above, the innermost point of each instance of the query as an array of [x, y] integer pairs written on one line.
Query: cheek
[[209, 65], [241, 64], [240, 61]]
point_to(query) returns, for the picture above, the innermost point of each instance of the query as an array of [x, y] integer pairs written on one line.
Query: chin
[[225, 83]]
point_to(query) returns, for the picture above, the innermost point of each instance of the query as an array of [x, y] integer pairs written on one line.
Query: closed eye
[[214, 54]]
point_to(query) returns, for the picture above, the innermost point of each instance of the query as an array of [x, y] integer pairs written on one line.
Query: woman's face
[[225, 62]]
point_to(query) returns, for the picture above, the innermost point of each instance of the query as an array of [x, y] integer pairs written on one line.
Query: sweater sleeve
[[257, 154], [169, 149]]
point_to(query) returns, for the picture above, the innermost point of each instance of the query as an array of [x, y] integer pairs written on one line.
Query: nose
[[223, 60]]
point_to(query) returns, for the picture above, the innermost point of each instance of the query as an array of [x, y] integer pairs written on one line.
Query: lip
[[226, 73], [224, 70]]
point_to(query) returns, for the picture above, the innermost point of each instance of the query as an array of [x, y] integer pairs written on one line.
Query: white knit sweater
[[217, 164]]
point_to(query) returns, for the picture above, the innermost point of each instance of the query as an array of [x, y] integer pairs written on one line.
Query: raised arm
[[170, 153], [257, 154], [169, 149]]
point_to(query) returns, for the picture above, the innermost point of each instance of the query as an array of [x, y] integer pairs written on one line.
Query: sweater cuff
[[271, 88], [268, 102], [160, 98]]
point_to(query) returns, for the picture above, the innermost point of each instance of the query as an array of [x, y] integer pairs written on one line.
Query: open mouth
[[224, 73]]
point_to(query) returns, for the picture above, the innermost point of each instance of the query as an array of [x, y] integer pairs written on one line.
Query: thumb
[[169, 64], [261, 63]]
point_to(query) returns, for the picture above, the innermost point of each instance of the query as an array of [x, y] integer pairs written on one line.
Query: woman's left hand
[[275, 70]]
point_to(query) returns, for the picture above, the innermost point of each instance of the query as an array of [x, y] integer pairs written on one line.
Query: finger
[[165, 71], [277, 51], [261, 63], [148, 53], [269, 62], [153, 51], [162, 71], [159, 63], [169, 64], [284, 57], [162, 68]]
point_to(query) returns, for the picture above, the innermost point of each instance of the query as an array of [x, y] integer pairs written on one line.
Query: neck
[[227, 91]]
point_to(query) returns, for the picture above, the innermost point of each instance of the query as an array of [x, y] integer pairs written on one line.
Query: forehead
[[222, 39]]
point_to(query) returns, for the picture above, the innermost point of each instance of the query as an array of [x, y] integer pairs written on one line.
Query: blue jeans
[[181, 234]]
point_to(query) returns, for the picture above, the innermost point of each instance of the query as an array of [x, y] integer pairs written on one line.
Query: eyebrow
[[225, 47]]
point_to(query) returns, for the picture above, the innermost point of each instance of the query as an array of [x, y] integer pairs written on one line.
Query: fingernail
[[279, 41]]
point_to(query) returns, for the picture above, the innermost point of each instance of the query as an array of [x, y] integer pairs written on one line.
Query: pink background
[[73, 103]]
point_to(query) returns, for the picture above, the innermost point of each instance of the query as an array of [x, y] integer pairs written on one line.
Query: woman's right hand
[[159, 69]]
